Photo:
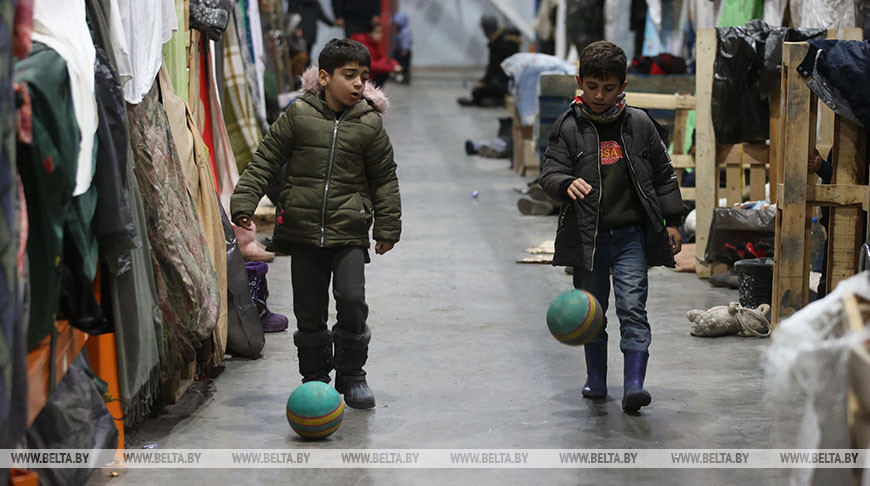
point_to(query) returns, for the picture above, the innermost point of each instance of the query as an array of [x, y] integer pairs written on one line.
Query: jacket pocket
[[361, 213]]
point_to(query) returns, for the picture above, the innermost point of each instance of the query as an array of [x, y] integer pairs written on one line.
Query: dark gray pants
[[311, 269]]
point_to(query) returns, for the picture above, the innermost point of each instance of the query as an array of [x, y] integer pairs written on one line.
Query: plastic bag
[[747, 67], [75, 417], [736, 234], [245, 335]]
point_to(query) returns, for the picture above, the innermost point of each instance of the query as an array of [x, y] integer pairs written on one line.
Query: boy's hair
[[340, 52], [603, 59]]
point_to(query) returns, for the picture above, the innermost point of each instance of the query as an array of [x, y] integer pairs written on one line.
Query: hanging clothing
[[238, 104], [774, 12], [62, 26], [145, 41], [585, 22], [841, 73], [47, 168], [176, 56], [823, 14], [132, 303], [255, 40], [737, 12], [197, 177], [225, 161], [187, 286], [108, 32], [13, 239], [704, 14], [113, 225]]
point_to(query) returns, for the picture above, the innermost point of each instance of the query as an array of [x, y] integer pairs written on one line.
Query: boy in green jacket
[[341, 177]]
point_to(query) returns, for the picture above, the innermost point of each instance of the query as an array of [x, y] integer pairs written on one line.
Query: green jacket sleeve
[[384, 186], [274, 150]]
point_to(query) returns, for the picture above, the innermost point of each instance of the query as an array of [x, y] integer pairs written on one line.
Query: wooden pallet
[[798, 193], [710, 155]]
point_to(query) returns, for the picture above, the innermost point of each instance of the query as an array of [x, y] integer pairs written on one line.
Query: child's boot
[[351, 352], [596, 370], [315, 355], [270, 321], [635, 372]]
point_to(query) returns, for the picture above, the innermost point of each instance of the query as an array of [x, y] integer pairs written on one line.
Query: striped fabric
[[238, 103]]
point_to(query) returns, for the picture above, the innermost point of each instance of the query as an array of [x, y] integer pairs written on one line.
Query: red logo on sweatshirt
[[611, 152]]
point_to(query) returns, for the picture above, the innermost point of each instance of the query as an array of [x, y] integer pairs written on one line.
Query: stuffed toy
[[731, 319]]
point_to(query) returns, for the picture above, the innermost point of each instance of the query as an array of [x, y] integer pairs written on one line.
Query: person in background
[[403, 41], [504, 42], [355, 15], [825, 170], [299, 47], [311, 11], [382, 66]]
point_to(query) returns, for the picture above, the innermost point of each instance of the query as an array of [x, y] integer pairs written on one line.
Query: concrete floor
[[461, 356]]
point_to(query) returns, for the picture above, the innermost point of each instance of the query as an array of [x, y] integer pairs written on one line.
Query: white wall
[[446, 32]]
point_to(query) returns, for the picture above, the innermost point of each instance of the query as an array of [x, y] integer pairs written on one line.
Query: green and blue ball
[[315, 410]]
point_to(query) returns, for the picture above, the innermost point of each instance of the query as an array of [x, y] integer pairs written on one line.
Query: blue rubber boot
[[635, 371], [596, 370]]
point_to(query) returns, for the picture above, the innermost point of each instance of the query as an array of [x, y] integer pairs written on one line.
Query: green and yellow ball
[[315, 410], [575, 317]]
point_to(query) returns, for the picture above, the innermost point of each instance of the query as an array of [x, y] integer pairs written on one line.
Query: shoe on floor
[[357, 394], [465, 101], [531, 207], [470, 148], [729, 280]]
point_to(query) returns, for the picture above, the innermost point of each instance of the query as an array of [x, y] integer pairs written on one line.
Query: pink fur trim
[[375, 95]]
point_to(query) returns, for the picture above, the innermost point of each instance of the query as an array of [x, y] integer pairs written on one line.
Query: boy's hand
[[244, 222], [579, 189], [675, 238], [815, 161], [382, 247]]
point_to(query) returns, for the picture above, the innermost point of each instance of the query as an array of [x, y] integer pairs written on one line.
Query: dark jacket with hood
[[341, 175], [311, 12], [503, 44], [573, 152]]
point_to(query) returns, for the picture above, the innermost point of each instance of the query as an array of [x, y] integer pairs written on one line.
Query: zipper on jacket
[[329, 178], [600, 193]]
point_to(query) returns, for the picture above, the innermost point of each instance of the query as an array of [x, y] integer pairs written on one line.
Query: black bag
[[736, 234], [245, 335], [74, 417], [210, 17]]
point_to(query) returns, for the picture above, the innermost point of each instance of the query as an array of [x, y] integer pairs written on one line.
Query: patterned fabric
[[13, 269], [197, 176], [238, 103], [608, 116], [48, 172], [187, 286]]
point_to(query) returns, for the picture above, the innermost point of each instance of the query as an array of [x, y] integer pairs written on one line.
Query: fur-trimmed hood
[[375, 96]]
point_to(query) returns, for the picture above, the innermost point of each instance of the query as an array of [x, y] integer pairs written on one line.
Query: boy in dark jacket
[[341, 176], [620, 213]]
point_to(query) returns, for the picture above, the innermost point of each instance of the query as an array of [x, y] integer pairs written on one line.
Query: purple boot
[[260, 292]]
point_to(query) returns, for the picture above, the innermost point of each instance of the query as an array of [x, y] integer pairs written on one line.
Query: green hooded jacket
[[341, 175]]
